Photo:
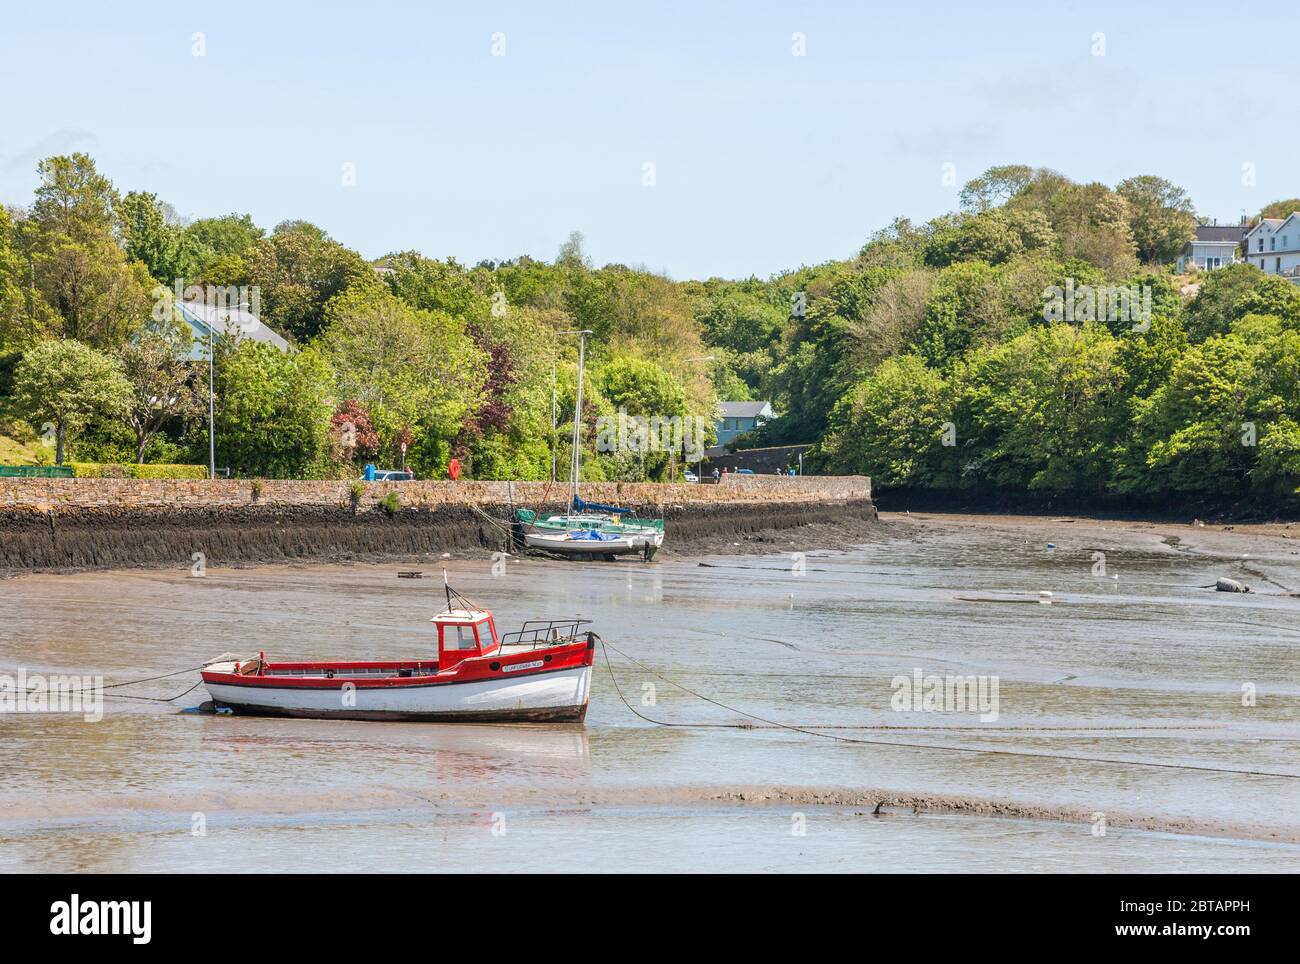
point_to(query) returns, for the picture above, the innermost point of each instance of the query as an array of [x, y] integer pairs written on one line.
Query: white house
[[207, 320], [1273, 246], [1215, 246]]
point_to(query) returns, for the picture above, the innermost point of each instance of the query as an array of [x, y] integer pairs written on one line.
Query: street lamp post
[[212, 408]]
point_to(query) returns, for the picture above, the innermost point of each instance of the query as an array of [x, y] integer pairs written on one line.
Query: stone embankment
[[52, 524]]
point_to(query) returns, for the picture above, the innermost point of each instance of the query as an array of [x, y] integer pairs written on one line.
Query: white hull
[[561, 694], [561, 543]]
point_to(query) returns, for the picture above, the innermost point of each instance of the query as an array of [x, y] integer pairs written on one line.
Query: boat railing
[[545, 632]]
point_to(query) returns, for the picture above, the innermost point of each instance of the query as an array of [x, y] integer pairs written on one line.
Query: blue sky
[[762, 160]]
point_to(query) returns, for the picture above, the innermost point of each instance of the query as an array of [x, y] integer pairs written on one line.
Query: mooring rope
[[146, 679], [505, 529], [605, 647]]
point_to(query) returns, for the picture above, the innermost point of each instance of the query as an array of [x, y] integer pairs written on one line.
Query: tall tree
[[299, 271], [64, 384], [1161, 216], [162, 384], [77, 264], [153, 236]]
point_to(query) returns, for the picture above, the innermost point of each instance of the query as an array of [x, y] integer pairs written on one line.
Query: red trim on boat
[[471, 670]]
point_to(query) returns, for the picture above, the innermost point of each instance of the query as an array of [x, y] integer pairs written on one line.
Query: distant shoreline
[[75, 539], [1230, 508]]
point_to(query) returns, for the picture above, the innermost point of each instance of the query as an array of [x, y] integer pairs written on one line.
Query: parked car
[[691, 476], [744, 471], [395, 475]]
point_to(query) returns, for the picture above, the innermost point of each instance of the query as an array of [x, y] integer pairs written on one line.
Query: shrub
[[390, 503], [113, 470], [257, 486], [355, 491]]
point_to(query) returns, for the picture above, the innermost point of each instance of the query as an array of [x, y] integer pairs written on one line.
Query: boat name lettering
[[531, 664]]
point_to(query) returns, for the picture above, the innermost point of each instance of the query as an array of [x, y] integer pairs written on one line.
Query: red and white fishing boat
[[541, 673]]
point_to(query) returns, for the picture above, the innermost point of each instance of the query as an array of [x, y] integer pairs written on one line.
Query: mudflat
[[1142, 722]]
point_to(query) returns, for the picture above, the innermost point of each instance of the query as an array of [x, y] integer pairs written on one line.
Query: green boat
[[591, 530], [587, 530]]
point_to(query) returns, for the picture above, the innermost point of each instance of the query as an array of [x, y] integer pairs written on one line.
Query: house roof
[[746, 409], [1220, 232], [1271, 222], [1288, 220], [228, 321]]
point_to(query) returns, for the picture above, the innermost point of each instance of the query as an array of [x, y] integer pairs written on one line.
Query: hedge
[[108, 470]]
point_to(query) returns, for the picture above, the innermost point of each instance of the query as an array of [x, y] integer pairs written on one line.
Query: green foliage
[[152, 236], [66, 383], [1230, 293], [1040, 405], [162, 383], [299, 270], [76, 265], [1161, 217], [391, 504], [154, 470], [1279, 209], [413, 370], [891, 426], [930, 357], [273, 411], [232, 235]]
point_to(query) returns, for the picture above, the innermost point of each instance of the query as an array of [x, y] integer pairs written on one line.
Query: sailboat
[[587, 530]]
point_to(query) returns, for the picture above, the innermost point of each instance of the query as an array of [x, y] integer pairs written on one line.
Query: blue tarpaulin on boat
[[592, 535]]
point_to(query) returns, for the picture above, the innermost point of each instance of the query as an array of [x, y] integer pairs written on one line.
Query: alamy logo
[[242, 303], [73, 917], [52, 693], [636, 434], [1098, 303], [946, 694]]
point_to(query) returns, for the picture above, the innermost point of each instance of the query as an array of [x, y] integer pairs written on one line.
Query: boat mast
[[554, 415], [575, 460]]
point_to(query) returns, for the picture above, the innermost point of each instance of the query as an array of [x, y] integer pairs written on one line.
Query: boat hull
[[555, 696], [584, 548]]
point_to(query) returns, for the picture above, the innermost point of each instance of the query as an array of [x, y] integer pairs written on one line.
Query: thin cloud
[[61, 141]]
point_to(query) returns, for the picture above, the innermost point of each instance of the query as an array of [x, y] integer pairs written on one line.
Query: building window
[[1261, 244]]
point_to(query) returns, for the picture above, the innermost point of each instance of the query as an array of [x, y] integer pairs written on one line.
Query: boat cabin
[[463, 633]]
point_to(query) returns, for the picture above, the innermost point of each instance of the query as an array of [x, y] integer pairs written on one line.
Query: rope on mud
[[146, 679], [501, 526], [605, 647], [155, 699]]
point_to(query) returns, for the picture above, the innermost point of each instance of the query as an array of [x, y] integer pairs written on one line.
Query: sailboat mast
[[554, 444], [577, 422], [575, 457]]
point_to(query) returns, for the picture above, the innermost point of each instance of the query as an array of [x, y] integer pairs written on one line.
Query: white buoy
[[1045, 597]]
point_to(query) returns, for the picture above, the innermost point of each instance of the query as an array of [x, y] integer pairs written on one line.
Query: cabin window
[[463, 638]]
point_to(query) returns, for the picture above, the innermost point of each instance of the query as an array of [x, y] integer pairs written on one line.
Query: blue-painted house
[[741, 417]]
